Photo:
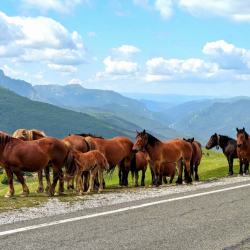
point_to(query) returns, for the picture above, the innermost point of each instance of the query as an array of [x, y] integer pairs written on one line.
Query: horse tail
[[133, 163], [70, 163]]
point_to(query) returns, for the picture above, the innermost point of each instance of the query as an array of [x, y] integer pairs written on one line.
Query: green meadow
[[213, 166]]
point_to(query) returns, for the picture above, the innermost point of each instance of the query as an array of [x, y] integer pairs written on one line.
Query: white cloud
[[76, 81], [119, 67], [238, 10], [126, 50], [43, 39], [227, 55], [160, 69], [63, 68], [142, 3], [164, 7], [92, 34], [63, 6]]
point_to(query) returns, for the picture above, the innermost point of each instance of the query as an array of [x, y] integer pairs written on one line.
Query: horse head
[[242, 137], [141, 141], [213, 141]]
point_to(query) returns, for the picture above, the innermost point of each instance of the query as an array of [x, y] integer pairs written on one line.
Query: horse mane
[[38, 132], [227, 138], [151, 139], [89, 134], [4, 138]]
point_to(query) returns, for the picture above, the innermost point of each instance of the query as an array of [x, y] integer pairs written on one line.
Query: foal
[[93, 162]]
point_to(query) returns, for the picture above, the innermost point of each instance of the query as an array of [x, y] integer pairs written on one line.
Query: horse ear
[[243, 129], [192, 139], [237, 129], [144, 131], [215, 134]]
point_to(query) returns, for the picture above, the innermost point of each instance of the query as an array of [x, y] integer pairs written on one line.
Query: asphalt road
[[218, 220]]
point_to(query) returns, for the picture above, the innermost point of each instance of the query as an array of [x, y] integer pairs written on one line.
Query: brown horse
[[76, 142], [29, 135], [141, 165], [93, 162], [243, 144], [118, 151], [196, 157], [17, 156], [162, 153]]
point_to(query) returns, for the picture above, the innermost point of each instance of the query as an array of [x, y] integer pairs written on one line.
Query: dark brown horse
[[243, 144], [229, 149], [118, 151], [93, 162], [163, 153], [17, 156], [29, 135], [196, 157]]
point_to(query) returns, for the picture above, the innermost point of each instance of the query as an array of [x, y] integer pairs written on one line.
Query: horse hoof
[[40, 190], [246, 174], [8, 195], [24, 194], [240, 174]]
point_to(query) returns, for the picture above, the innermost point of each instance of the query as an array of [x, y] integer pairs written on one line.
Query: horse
[[29, 135], [163, 153], [141, 165], [243, 145], [118, 151], [17, 156], [196, 157], [93, 162], [229, 149], [76, 142]]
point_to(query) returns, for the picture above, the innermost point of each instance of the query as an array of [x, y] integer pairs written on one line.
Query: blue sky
[[191, 47]]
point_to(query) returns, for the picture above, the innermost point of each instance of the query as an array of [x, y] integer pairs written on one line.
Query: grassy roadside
[[213, 165]]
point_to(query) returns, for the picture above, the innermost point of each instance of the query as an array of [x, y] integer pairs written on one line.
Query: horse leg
[[230, 165], [20, 178], [143, 178], [61, 182], [40, 188], [164, 178], [100, 177], [241, 167], [56, 174], [160, 179], [47, 176], [157, 174], [196, 176], [120, 176], [91, 182], [188, 178], [246, 163], [136, 178], [180, 169], [152, 176], [133, 177], [11, 191]]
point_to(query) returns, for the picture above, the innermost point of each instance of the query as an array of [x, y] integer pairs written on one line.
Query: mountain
[[121, 110], [20, 112], [18, 86], [221, 116]]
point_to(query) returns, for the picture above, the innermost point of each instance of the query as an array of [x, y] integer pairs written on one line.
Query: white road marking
[[149, 204]]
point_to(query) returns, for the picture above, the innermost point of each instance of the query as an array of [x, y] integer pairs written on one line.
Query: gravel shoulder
[[55, 207]]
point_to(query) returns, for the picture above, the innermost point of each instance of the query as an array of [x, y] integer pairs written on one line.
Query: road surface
[[211, 218]]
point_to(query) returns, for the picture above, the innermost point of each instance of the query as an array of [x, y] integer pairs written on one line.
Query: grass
[[213, 165]]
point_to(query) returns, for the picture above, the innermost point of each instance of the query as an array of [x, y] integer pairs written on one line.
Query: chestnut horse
[[243, 144], [196, 157], [93, 162], [118, 151], [17, 156], [29, 135], [163, 153], [141, 165], [76, 142]]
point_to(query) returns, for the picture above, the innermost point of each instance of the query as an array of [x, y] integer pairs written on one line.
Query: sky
[[187, 47]]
